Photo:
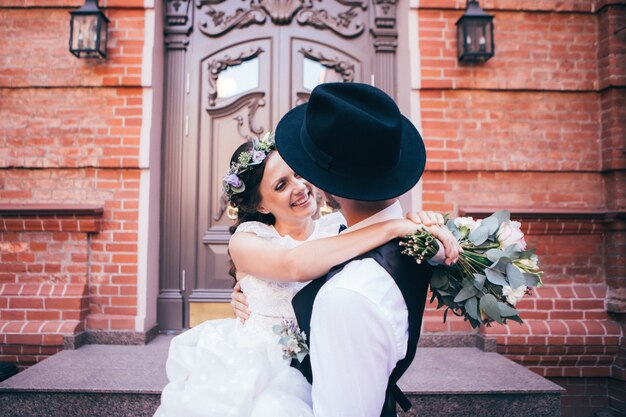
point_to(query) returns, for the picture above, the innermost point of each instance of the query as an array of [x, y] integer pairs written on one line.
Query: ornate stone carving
[[222, 208], [385, 13], [176, 13], [303, 97], [281, 12], [177, 24], [253, 106], [342, 24], [218, 65], [344, 68], [252, 102]]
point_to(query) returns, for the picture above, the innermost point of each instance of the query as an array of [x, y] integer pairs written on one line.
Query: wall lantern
[[88, 31], [474, 33]]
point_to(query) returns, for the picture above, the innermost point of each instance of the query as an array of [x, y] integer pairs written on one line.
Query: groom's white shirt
[[359, 331]]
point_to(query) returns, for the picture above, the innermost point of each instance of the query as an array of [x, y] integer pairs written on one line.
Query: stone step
[[114, 380]]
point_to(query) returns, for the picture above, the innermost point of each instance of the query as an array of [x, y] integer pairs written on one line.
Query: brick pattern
[[54, 66], [521, 5], [43, 281], [584, 396], [539, 127], [534, 51], [82, 149], [89, 128], [521, 131]]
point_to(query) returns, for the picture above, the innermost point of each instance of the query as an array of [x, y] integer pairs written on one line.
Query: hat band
[[321, 158]]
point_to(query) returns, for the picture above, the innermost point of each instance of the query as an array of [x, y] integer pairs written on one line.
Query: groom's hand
[[239, 302], [435, 224]]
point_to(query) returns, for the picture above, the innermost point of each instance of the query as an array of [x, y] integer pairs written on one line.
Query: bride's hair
[[247, 202]]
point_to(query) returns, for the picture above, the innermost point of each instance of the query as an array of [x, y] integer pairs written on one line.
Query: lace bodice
[[272, 298]]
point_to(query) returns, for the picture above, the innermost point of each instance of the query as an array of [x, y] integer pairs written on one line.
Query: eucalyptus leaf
[[500, 265], [489, 305], [277, 328], [471, 306], [531, 280], [496, 277], [502, 216], [454, 230], [515, 276], [526, 254], [516, 318], [466, 292], [513, 252], [479, 235], [445, 314], [506, 310], [479, 281], [439, 279], [494, 255], [491, 223]]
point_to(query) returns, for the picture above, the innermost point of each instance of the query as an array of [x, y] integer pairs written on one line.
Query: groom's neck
[[356, 211]]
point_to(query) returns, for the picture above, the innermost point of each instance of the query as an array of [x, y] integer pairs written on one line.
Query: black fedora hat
[[351, 140]]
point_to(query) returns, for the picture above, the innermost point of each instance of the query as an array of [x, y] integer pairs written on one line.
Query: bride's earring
[[232, 212]]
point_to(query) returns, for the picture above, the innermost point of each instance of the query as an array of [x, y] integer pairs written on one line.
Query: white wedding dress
[[222, 368]]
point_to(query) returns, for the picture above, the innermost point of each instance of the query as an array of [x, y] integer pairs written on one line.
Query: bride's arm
[[256, 256]]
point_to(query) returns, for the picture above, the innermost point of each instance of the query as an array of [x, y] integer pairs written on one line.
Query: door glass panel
[[313, 73], [238, 79]]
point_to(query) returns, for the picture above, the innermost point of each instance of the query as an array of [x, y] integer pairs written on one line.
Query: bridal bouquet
[[492, 274]]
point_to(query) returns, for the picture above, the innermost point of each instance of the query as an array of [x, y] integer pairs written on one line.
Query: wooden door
[[245, 65]]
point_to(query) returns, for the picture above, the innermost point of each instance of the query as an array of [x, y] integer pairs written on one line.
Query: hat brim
[[389, 184]]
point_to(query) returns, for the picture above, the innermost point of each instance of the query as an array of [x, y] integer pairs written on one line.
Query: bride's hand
[[435, 224], [239, 302], [427, 218]]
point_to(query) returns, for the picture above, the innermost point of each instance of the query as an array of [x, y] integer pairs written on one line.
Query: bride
[[226, 368]]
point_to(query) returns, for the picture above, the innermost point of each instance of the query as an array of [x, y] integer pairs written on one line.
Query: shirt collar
[[394, 211]]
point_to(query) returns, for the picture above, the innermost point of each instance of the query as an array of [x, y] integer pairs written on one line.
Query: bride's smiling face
[[284, 193]]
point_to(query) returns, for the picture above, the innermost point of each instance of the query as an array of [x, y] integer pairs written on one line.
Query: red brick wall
[[70, 133], [539, 128]]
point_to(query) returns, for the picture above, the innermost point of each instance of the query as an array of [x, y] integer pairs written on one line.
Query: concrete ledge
[[95, 337], [29, 404], [463, 339], [108, 380], [478, 405]]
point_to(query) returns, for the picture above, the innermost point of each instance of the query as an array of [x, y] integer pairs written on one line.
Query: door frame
[[175, 219]]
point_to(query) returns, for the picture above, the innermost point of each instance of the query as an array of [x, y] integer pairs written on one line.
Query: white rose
[[464, 225], [514, 295], [460, 222], [292, 345], [509, 234], [531, 263]]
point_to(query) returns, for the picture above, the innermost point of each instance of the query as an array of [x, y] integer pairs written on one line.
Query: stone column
[[170, 307]]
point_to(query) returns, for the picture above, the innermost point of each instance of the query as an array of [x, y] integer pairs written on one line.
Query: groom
[[363, 318]]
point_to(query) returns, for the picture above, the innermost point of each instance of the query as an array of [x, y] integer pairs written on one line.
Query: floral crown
[[231, 183]]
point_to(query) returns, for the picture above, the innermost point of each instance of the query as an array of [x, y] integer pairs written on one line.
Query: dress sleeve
[[260, 229]]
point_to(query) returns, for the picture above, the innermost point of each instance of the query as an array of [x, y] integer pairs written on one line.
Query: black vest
[[412, 280]]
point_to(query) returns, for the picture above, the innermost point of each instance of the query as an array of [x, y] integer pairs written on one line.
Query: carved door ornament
[[282, 12], [218, 65], [344, 68]]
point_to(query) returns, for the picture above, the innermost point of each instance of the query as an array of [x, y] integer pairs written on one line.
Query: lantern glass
[[475, 35], [88, 32]]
